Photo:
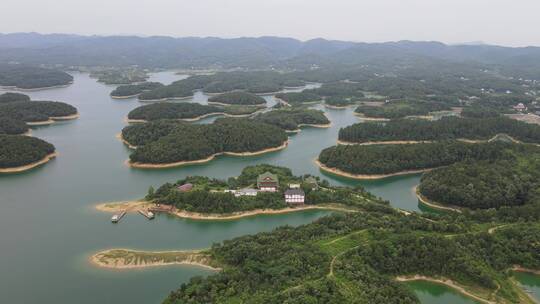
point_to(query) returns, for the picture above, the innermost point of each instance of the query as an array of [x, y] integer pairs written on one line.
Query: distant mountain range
[[263, 52]]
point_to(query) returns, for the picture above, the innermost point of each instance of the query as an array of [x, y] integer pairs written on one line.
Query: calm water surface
[[48, 227]]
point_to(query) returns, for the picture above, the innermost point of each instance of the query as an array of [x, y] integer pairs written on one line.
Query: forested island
[[261, 82], [401, 109], [298, 98], [132, 90], [445, 128], [237, 98], [114, 76], [361, 255], [20, 153], [186, 111], [32, 77], [295, 118], [166, 143], [377, 161], [510, 177]]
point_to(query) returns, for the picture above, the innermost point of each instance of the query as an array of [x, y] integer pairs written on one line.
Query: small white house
[[246, 192], [294, 186], [295, 196], [520, 107]]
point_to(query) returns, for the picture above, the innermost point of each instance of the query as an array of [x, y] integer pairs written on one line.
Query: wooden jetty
[[117, 217], [146, 213]]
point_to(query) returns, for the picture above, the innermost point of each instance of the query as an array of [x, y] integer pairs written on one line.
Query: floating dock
[[117, 217], [148, 214]]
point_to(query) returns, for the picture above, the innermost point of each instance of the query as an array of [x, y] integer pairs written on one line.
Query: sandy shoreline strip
[[125, 97], [431, 204], [366, 176], [390, 142], [121, 138], [526, 270], [200, 161], [166, 99], [120, 258], [53, 119], [446, 282], [129, 120], [30, 166], [36, 89]]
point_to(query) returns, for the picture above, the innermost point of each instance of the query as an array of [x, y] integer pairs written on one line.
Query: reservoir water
[[49, 228]]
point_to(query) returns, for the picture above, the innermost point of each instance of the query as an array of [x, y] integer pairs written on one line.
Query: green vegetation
[[12, 126], [353, 258], [237, 98], [339, 101], [36, 111], [479, 111], [443, 129], [296, 98], [401, 109], [511, 180], [11, 97], [17, 151], [134, 89], [30, 77], [185, 111], [388, 159], [208, 195], [162, 142], [340, 89], [293, 119], [119, 76]]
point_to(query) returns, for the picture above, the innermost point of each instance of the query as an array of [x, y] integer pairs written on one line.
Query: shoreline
[[446, 282], [366, 118], [43, 161], [124, 97], [121, 138], [389, 142], [232, 104], [53, 119], [130, 120], [366, 176], [205, 160], [165, 99], [339, 107], [518, 268], [132, 206], [431, 204], [131, 259], [15, 88]]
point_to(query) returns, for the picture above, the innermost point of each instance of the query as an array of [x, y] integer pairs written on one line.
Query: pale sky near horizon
[[503, 22]]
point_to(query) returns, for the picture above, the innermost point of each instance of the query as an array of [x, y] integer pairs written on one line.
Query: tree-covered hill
[[293, 119], [17, 151], [237, 98], [134, 89], [162, 142], [297, 98], [389, 159], [12, 126], [443, 129], [401, 109], [31, 77], [172, 111], [12, 97], [35, 111]]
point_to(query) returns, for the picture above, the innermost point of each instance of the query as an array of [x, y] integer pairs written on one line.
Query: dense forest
[[172, 111], [11, 97], [353, 258], [388, 159], [208, 196], [162, 142], [118, 76], [493, 183], [134, 89], [297, 98], [34, 111], [401, 109], [237, 98], [293, 119], [12, 126], [17, 150], [31, 77], [445, 128], [339, 101]]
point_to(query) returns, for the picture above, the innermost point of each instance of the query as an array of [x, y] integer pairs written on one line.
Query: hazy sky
[[506, 22]]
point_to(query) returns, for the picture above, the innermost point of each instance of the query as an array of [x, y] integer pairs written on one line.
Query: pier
[[148, 214], [117, 217]]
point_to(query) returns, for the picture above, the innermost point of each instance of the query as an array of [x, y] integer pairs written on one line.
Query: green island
[[237, 98], [28, 77], [297, 98], [401, 109], [186, 111], [339, 101], [11, 97], [407, 130], [133, 90], [114, 76], [510, 177], [20, 153], [359, 256], [292, 119], [13, 126], [166, 143], [378, 161], [260, 82]]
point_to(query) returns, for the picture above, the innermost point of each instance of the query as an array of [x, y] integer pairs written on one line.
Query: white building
[[295, 196], [246, 192]]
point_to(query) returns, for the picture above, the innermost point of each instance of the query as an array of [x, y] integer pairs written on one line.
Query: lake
[[49, 226]]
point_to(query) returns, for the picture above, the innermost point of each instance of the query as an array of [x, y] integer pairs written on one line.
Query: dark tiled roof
[[294, 192]]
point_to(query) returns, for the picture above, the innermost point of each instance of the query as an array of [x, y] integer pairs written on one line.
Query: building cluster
[[267, 182]]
